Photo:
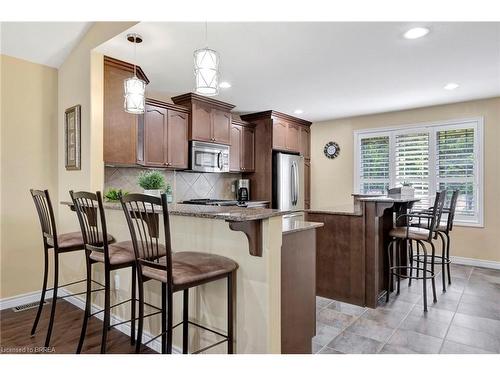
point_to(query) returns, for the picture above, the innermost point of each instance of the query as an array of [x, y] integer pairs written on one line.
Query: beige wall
[[332, 180], [28, 160], [80, 81]]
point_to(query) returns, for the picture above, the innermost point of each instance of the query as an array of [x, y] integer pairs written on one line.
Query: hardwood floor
[[15, 330]]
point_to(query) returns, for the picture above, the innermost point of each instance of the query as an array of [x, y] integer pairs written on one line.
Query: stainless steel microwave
[[208, 157]]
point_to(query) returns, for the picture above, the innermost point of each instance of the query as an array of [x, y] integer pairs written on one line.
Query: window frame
[[477, 123]]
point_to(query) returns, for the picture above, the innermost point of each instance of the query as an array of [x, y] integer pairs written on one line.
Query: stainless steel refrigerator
[[288, 181]]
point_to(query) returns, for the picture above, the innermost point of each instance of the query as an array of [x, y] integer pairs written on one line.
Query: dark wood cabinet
[[307, 183], [177, 142], [305, 142], [221, 125], [275, 131], [163, 130], [292, 137], [286, 136], [248, 153], [242, 154], [201, 128], [120, 127], [280, 130], [210, 119], [236, 146], [155, 136]]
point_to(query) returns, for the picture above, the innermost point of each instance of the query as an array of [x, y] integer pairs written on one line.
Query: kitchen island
[[256, 238], [352, 247]]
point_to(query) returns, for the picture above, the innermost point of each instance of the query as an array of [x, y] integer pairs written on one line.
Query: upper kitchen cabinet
[[305, 142], [287, 132], [120, 127], [242, 154], [163, 135], [210, 119], [274, 131]]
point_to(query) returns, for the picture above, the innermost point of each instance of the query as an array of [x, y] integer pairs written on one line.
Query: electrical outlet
[[117, 282]]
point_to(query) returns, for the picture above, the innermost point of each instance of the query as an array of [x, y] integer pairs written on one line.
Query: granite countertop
[[346, 209], [397, 198], [291, 225], [229, 213]]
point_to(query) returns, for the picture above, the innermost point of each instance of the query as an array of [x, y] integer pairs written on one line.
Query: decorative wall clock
[[331, 150]]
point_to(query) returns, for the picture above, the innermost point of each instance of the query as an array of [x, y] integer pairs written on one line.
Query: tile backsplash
[[185, 185]]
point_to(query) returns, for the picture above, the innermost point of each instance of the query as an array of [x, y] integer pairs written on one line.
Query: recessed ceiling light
[[451, 86], [298, 111], [416, 32], [224, 85]]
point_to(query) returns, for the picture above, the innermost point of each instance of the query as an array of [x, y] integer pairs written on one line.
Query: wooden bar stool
[[420, 236], [176, 271], [443, 231], [114, 256], [60, 243]]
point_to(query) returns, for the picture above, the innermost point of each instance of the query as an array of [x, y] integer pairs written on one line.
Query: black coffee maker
[[243, 190]]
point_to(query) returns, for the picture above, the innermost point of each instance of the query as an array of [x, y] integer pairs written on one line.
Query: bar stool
[[60, 243], [419, 235], [90, 211], [176, 271], [443, 230]]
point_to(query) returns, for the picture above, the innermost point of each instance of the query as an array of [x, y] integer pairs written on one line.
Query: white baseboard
[[21, 299], [476, 262]]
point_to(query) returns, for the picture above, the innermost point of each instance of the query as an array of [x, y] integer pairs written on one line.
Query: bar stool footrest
[[446, 259], [433, 274]]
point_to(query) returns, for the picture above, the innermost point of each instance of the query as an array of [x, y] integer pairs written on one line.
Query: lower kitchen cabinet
[[163, 136], [242, 157]]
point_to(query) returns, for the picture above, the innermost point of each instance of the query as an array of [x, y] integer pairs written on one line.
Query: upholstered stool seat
[[71, 241], [191, 268], [120, 253], [412, 233]]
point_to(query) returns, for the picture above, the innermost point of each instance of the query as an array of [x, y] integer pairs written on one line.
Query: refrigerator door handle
[[296, 181], [292, 185]]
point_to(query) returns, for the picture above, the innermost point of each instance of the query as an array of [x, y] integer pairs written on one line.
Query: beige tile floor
[[465, 320]]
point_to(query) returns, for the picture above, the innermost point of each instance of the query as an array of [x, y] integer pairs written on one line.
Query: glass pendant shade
[[134, 95], [206, 71]]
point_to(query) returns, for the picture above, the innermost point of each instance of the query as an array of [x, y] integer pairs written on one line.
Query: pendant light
[[134, 87], [206, 70]]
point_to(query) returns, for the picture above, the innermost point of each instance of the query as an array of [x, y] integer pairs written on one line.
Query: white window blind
[[374, 165], [455, 166], [430, 157], [412, 163]]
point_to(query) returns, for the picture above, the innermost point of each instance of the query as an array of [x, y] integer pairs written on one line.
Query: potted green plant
[[153, 182], [113, 195], [407, 189]]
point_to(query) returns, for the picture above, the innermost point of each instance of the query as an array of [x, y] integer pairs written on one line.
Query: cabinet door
[[155, 136], [307, 183], [177, 143], [236, 148], [221, 126], [305, 142], [280, 129], [119, 135], [247, 156], [292, 137], [201, 123]]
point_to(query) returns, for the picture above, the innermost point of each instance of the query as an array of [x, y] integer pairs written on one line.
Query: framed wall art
[[72, 137]]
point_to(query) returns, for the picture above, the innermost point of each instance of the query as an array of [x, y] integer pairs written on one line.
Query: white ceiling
[[329, 70], [47, 43]]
